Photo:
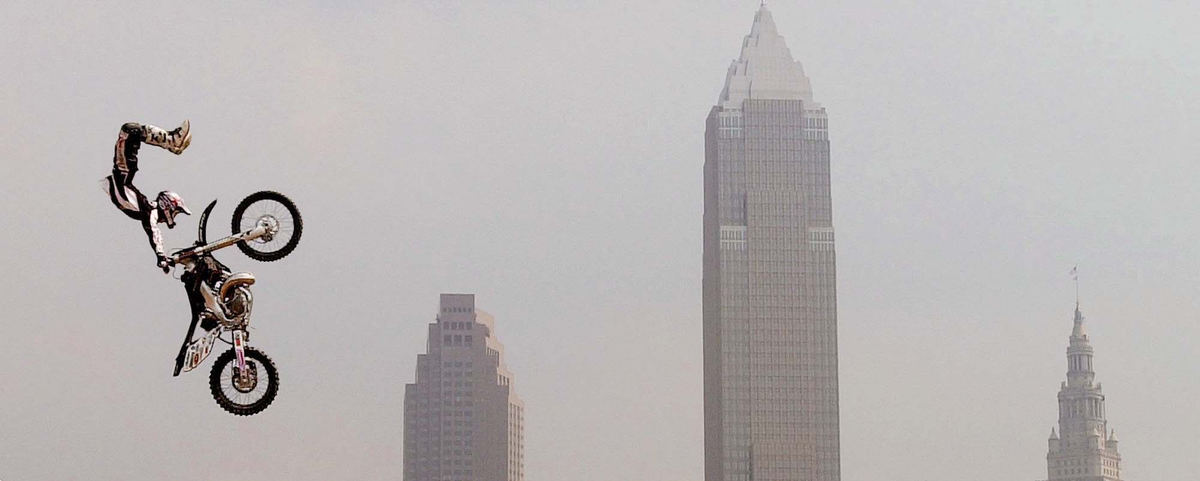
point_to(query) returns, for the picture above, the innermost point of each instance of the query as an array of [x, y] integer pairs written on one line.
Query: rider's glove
[[164, 264]]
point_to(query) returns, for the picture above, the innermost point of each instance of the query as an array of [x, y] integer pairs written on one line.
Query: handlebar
[[179, 255], [201, 249]]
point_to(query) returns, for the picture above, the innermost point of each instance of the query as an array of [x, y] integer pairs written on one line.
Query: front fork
[[239, 348]]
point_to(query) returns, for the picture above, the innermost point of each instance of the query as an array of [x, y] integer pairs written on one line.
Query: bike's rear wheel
[[239, 395], [276, 211]]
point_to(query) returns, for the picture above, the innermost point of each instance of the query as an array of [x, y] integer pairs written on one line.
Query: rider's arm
[[150, 225]]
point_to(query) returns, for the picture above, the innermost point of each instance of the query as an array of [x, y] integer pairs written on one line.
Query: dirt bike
[[266, 227]]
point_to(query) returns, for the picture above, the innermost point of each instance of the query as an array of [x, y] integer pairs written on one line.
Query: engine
[[238, 303]]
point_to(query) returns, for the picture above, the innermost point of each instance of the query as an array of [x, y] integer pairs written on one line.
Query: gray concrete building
[[1082, 448], [770, 313], [462, 419]]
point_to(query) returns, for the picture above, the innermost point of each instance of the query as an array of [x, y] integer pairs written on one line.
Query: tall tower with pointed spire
[[770, 317], [1082, 448]]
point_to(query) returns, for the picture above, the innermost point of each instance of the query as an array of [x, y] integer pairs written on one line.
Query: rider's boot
[[174, 141]]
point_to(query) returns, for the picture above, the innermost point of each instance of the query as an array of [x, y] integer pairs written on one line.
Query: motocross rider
[[163, 209], [129, 199]]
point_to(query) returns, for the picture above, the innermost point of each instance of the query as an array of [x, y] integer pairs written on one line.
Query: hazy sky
[[547, 157]]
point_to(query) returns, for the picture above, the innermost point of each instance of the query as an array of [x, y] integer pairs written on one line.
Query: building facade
[[1082, 448], [462, 419], [770, 311]]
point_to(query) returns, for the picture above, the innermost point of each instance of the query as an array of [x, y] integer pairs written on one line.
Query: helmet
[[170, 204]]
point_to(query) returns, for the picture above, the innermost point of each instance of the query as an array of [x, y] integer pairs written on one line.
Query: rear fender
[[199, 349]]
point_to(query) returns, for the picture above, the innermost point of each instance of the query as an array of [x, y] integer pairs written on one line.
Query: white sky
[[547, 157]]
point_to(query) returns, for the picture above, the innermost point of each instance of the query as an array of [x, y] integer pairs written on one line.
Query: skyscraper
[[462, 419], [770, 314], [1086, 450]]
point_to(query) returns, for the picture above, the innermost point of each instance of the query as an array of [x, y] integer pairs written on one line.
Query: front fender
[[203, 234]]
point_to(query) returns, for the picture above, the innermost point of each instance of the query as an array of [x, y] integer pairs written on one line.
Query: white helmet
[[171, 204]]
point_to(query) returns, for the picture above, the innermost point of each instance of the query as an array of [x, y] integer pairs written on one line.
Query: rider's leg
[[174, 141], [129, 140], [125, 153], [124, 197]]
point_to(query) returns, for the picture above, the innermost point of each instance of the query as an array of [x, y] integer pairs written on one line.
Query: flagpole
[[1075, 276]]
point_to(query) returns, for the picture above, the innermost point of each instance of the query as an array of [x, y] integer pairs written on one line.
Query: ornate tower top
[[1079, 354], [765, 69], [1082, 448]]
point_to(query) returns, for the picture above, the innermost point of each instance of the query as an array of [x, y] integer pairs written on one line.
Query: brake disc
[[245, 384]]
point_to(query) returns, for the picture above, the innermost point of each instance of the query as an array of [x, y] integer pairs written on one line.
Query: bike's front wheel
[[244, 394], [275, 212]]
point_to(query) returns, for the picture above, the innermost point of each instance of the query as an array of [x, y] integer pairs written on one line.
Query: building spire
[[1078, 330], [764, 23], [765, 69]]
